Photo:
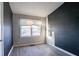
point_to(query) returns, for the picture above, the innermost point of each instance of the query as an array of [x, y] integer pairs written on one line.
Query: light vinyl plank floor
[[37, 50]]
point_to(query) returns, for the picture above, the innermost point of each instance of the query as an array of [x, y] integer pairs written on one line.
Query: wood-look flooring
[[37, 50]]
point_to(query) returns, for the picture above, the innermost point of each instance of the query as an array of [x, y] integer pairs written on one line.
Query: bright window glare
[[30, 27], [35, 30], [25, 31]]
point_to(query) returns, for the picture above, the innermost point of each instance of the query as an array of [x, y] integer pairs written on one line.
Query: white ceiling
[[41, 9]]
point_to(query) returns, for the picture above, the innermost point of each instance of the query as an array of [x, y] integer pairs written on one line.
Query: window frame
[[31, 30]]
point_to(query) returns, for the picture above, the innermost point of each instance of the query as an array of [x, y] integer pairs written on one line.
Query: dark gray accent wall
[[65, 23], [8, 41]]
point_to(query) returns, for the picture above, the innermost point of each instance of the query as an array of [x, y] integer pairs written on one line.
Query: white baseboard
[[63, 50], [10, 51]]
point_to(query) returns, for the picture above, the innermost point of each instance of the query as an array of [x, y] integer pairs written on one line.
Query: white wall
[[49, 39], [1, 29], [17, 40]]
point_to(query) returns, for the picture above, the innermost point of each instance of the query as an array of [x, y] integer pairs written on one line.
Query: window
[[25, 31], [30, 27], [35, 30]]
